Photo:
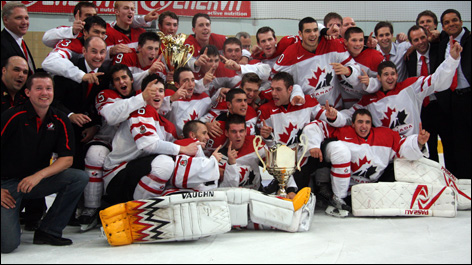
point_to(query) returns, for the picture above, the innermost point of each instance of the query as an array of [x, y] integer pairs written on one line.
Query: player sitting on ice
[[361, 154], [189, 174]]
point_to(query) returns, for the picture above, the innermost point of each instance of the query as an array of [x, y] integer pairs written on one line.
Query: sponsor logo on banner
[[181, 8]]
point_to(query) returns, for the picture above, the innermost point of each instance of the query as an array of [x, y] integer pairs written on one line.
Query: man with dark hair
[[26, 168], [145, 138], [186, 105], [60, 60], [202, 35], [315, 63], [145, 60], [368, 61], [251, 84], [362, 154], [168, 23], [458, 98], [392, 51], [423, 62]]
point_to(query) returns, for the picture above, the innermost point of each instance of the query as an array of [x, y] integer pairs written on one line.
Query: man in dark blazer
[[16, 21], [458, 97], [77, 100], [432, 113]]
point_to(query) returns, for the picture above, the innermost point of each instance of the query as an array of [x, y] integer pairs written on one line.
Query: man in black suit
[[424, 61], [16, 21], [77, 100], [458, 97]]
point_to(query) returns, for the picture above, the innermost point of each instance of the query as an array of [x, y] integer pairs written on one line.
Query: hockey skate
[[338, 207], [88, 219]]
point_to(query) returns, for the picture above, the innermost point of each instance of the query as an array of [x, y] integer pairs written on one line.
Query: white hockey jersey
[[369, 157], [288, 122], [198, 172], [145, 132], [400, 108], [184, 110], [313, 72]]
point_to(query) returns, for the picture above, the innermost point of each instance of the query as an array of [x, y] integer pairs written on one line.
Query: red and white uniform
[[313, 72], [287, 122], [368, 60], [245, 172], [220, 114], [368, 157], [198, 172], [215, 39], [145, 132], [400, 108], [115, 37], [139, 72], [184, 110]]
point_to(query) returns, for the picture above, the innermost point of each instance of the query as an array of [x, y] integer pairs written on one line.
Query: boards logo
[[422, 197]]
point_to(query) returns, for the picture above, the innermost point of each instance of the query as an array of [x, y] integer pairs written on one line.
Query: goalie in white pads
[[190, 216], [362, 154]]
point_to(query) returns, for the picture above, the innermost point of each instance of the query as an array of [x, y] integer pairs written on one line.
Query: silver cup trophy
[[174, 51], [281, 160]]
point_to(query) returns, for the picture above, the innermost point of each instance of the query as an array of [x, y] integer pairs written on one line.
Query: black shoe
[[323, 192], [43, 238]]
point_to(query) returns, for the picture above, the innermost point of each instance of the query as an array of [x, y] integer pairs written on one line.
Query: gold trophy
[[281, 160], [174, 51]]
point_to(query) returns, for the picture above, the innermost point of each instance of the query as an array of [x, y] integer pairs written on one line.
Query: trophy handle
[[256, 148], [190, 51], [303, 143]]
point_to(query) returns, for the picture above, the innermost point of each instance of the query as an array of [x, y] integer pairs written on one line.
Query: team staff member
[[459, 98], [30, 134]]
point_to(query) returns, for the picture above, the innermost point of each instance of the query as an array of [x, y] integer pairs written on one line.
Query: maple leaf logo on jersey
[[193, 116], [242, 173], [289, 137], [390, 121], [363, 173], [318, 75]]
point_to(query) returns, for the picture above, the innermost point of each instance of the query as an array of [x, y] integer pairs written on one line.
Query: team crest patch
[[50, 126], [183, 163], [142, 129]]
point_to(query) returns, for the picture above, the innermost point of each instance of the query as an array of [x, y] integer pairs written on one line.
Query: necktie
[[387, 57], [424, 72], [25, 51], [454, 79], [89, 86]]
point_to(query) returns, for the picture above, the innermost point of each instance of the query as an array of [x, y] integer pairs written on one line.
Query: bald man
[[14, 75]]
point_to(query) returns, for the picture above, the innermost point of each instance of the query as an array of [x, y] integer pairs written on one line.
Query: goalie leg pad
[[431, 172], [403, 199], [177, 217], [94, 160]]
